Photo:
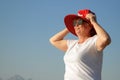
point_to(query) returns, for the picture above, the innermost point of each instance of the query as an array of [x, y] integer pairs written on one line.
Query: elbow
[[51, 41], [107, 40]]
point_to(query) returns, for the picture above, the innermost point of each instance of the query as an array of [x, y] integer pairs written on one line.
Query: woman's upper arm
[[102, 43], [61, 44]]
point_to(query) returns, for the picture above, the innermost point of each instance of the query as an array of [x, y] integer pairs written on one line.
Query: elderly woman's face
[[81, 27]]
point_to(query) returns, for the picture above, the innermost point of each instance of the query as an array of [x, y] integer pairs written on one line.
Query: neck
[[83, 38]]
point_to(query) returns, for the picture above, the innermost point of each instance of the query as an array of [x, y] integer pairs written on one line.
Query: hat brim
[[68, 20]]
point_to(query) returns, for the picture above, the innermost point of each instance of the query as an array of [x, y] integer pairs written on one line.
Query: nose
[[76, 27]]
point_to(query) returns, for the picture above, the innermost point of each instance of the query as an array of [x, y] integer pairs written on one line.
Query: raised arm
[[103, 37], [58, 40]]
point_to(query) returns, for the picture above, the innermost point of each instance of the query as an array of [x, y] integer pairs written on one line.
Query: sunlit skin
[[83, 33], [82, 30]]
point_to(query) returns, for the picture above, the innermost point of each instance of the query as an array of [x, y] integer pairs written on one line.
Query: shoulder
[[93, 39], [93, 44], [71, 42]]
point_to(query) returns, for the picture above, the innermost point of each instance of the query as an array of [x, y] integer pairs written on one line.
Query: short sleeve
[[71, 42], [94, 44]]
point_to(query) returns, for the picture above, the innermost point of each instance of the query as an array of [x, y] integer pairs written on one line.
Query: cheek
[[87, 27], [77, 30]]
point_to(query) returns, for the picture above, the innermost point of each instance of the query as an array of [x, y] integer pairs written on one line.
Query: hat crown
[[83, 13]]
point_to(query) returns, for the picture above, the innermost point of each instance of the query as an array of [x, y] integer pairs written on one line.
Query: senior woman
[[83, 57]]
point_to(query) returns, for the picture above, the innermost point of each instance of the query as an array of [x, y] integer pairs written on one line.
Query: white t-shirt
[[83, 61]]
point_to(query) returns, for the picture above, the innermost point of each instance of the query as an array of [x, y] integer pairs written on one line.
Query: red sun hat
[[68, 20]]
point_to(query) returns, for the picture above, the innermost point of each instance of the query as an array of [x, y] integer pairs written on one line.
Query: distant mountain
[[16, 77]]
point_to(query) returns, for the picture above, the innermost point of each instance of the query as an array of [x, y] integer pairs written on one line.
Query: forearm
[[103, 37], [59, 36], [100, 31], [102, 34]]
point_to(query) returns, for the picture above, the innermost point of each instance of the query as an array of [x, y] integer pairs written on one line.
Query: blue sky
[[27, 25]]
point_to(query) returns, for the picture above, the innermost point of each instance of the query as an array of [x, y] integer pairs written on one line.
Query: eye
[[80, 22], [77, 22]]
